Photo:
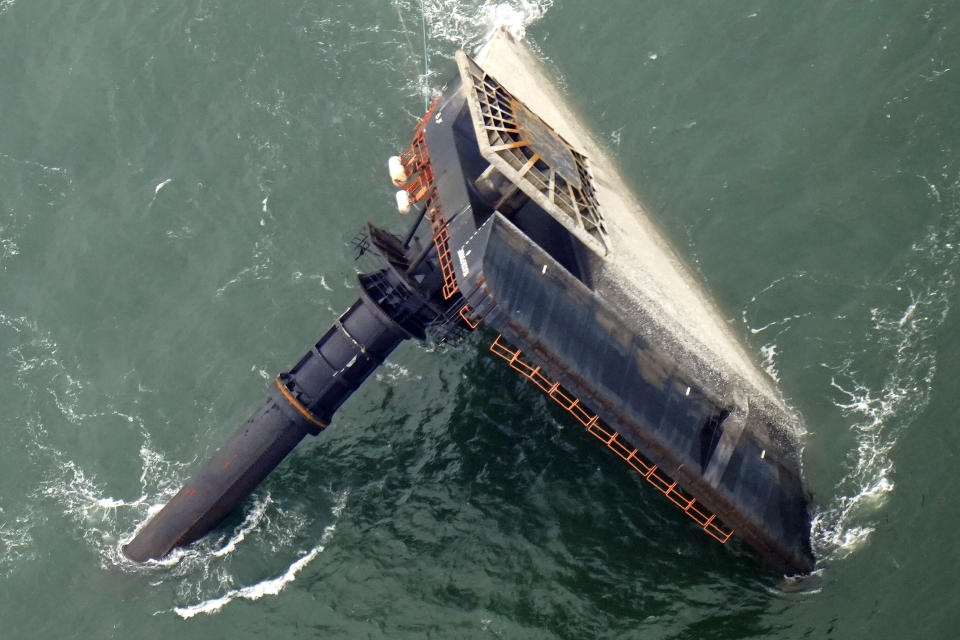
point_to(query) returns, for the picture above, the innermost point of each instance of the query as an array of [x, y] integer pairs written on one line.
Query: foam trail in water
[[270, 587], [881, 410], [256, 591], [882, 388], [250, 523]]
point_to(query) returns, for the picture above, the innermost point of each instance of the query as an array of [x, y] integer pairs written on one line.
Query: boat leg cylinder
[[229, 477], [302, 401]]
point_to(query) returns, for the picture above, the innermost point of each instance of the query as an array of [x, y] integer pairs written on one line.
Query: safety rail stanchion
[[665, 485], [416, 161]]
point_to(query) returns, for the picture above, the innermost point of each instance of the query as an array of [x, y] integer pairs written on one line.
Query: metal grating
[[533, 156]]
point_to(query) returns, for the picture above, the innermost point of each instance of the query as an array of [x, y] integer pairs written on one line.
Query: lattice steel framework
[[533, 156]]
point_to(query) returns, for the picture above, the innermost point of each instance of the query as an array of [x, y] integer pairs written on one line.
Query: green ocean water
[[179, 185]]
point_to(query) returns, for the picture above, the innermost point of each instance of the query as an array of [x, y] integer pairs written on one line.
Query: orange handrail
[[438, 224], [416, 161], [631, 455]]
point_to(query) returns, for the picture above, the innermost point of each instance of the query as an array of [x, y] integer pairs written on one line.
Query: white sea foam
[[465, 24], [46, 379], [391, 373], [256, 591], [272, 586], [16, 538], [775, 323], [769, 353], [879, 389], [250, 522], [881, 408], [9, 233]]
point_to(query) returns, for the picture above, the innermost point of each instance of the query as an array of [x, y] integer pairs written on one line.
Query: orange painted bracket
[[306, 413], [464, 314]]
